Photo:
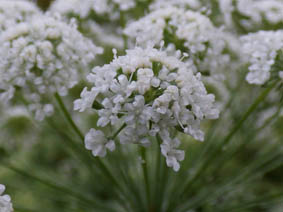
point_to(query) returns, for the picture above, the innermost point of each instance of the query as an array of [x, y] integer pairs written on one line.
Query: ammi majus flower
[[146, 93]]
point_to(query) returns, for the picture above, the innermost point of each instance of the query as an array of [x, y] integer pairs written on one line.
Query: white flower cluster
[[254, 12], [142, 94], [13, 12], [5, 201], [42, 56], [261, 49], [99, 7], [188, 31]]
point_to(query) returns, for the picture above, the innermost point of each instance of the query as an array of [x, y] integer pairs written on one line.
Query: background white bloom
[[261, 49], [252, 15], [5, 201], [13, 12], [99, 19], [145, 93], [99, 7], [188, 31], [43, 56]]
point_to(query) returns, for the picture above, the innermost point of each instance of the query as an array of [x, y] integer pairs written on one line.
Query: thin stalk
[[234, 130], [157, 200], [117, 132], [98, 161], [74, 146], [20, 209], [55, 186], [68, 116], [80, 134], [263, 163], [123, 24], [246, 175], [145, 175], [207, 144], [123, 169], [164, 171], [249, 112], [266, 200]]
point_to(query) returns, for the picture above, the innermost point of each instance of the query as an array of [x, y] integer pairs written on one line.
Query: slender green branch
[[145, 175], [117, 132], [54, 186], [265, 200], [158, 185], [98, 161], [247, 114], [257, 102], [74, 146], [101, 165], [86, 158], [20, 209], [209, 136], [68, 116]]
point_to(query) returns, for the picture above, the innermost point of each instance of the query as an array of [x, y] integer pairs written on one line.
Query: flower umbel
[[41, 57], [187, 31], [14, 12], [261, 49], [145, 93]]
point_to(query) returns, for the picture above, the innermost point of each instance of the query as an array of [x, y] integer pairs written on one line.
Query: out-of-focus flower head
[[264, 52], [101, 20], [191, 32], [146, 93], [110, 8], [13, 12], [252, 15], [42, 57]]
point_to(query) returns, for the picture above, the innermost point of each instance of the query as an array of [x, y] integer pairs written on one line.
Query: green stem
[[247, 114], [68, 116], [79, 133], [20, 209], [117, 132], [265, 200], [54, 186], [145, 175], [74, 146], [97, 161], [88, 159], [158, 185]]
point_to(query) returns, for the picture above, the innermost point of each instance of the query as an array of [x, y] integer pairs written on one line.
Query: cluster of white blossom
[[5, 201], [13, 12], [261, 49], [254, 12], [189, 31], [142, 94], [111, 8], [42, 56]]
